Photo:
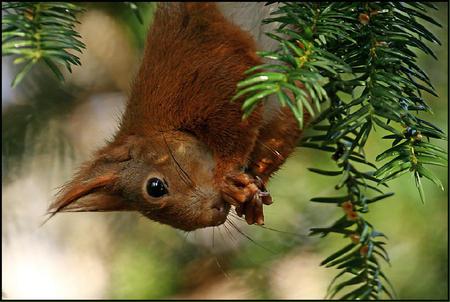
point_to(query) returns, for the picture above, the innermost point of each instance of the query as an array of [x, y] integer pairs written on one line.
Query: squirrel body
[[183, 154], [193, 60]]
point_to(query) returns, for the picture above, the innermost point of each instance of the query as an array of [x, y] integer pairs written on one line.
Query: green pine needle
[[35, 31], [368, 52]]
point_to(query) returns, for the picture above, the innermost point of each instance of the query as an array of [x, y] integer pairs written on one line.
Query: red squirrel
[[183, 154]]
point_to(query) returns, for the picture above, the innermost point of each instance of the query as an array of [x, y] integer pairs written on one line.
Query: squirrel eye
[[156, 187]]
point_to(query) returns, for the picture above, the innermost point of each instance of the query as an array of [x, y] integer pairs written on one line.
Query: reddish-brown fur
[[180, 125], [193, 60]]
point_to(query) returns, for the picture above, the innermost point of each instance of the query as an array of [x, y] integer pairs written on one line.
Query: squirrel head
[[168, 179]]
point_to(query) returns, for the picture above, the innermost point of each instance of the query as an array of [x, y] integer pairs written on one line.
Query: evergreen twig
[[44, 31], [359, 58], [41, 31]]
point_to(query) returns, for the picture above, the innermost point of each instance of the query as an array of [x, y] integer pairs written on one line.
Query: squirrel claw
[[248, 195], [263, 193]]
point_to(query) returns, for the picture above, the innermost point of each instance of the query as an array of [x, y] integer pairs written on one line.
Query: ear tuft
[[79, 188]]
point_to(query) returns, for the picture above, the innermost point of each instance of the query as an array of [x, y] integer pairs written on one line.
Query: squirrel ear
[[89, 196], [85, 195], [92, 188]]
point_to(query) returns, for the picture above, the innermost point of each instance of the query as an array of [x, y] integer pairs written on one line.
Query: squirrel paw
[[248, 195]]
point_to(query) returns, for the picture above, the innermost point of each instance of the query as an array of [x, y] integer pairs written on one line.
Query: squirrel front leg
[[276, 141], [232, 140]]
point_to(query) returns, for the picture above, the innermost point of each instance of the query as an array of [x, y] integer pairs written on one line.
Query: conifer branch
[[44, 31], [41, 31], [357, 59]]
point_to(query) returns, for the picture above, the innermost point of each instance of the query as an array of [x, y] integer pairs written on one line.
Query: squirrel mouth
[[220, 210]]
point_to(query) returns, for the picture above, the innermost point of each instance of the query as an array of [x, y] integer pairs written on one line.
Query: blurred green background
[[50, 128]]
